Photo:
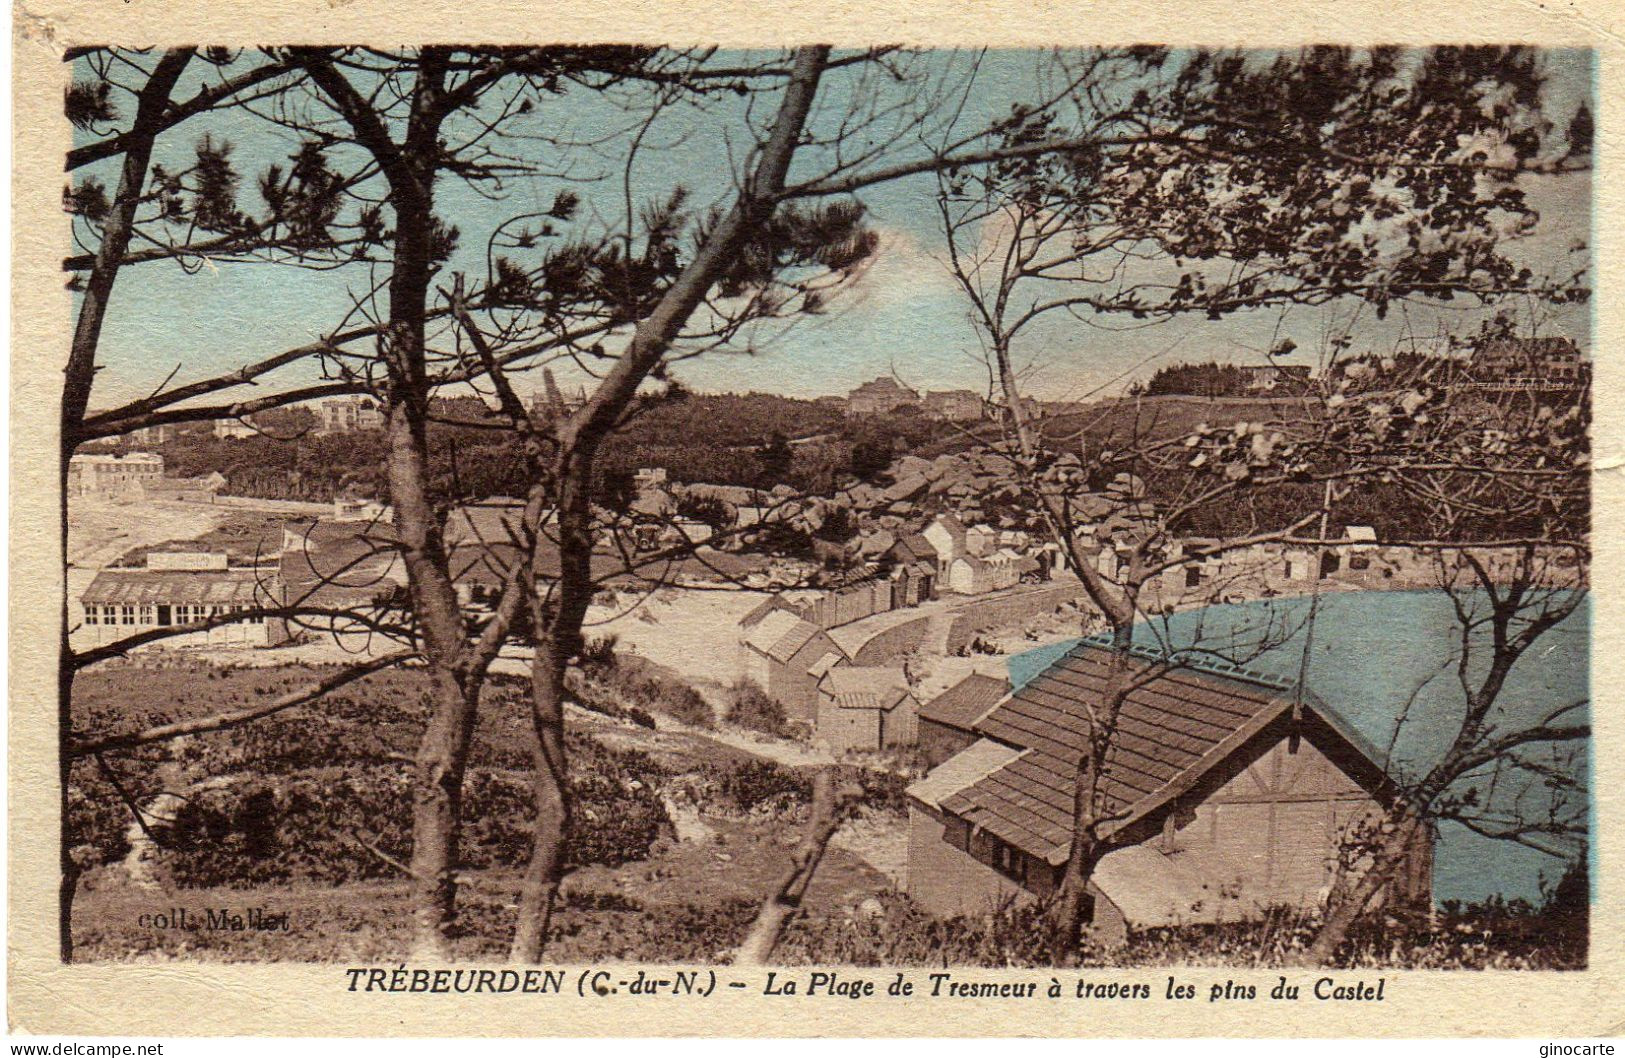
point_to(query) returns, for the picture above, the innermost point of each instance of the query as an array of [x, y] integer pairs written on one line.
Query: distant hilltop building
[[110, 475], [1555, 361], [234, 429], [151, 435], [954, 405], [1263, 378], [351, 413], [879, 397]]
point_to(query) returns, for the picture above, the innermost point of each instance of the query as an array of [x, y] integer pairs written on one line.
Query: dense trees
[[1274, 170]]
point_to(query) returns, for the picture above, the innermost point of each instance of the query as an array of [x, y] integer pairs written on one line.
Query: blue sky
[[903, 316]]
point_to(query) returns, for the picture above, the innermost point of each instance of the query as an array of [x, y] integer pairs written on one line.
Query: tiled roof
[[964, 703], [970, 765], [1169, 731], [825, 663], [918, 547], [865, 686], [780, 634], [213, 587]]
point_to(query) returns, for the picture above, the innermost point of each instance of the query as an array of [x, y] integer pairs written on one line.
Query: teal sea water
[[1376, 656]]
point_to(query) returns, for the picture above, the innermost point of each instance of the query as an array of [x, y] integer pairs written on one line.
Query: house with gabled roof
[[785, 655], [915, 568], [946, 535], [1227, 795], [866, 708], [948, 721]]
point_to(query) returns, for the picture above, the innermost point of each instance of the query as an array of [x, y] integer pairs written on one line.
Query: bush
[[599, 651], [752, 782], [311, 826], [679, 701], [751, 708], [625, 689]]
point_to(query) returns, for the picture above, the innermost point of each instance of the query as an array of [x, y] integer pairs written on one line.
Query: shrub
[[599, 651], [749, 783], [626, 689], [680, 701], [311, 826], [750, 707]]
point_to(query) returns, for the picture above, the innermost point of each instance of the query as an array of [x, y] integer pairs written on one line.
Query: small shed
[[948, 721], [780, 654], [866, 708]]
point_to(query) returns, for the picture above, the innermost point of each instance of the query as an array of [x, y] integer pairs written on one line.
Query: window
[[1193, 576], [127, 615], [147, 615], [93, 615], [1008, 861]]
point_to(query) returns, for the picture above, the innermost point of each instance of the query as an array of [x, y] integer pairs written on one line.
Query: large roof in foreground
[[1375, 656], [1170, 729]]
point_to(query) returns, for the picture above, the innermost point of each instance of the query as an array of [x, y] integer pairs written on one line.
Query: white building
[[102, 474], [177, 588], [351, 413]]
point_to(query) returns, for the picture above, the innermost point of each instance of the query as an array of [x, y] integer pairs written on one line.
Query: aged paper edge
[[173, 999]]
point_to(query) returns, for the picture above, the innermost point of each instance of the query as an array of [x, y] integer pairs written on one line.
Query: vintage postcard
[[1064, 523]]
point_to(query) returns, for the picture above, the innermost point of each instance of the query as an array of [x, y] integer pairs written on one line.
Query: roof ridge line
[[1213, 666]]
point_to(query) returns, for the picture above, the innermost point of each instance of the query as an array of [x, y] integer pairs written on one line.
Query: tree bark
[[781, 905], [1343, 913], [550, 789], [79, 378], [410, 167], [442, 757], [579, 439]]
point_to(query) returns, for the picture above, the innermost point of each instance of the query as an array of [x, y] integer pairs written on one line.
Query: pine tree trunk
[[578, 440], [550, 787], [68, 883], [437, 806], [1065, 917], [1343, 913], [442, 757], [79, 377]]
